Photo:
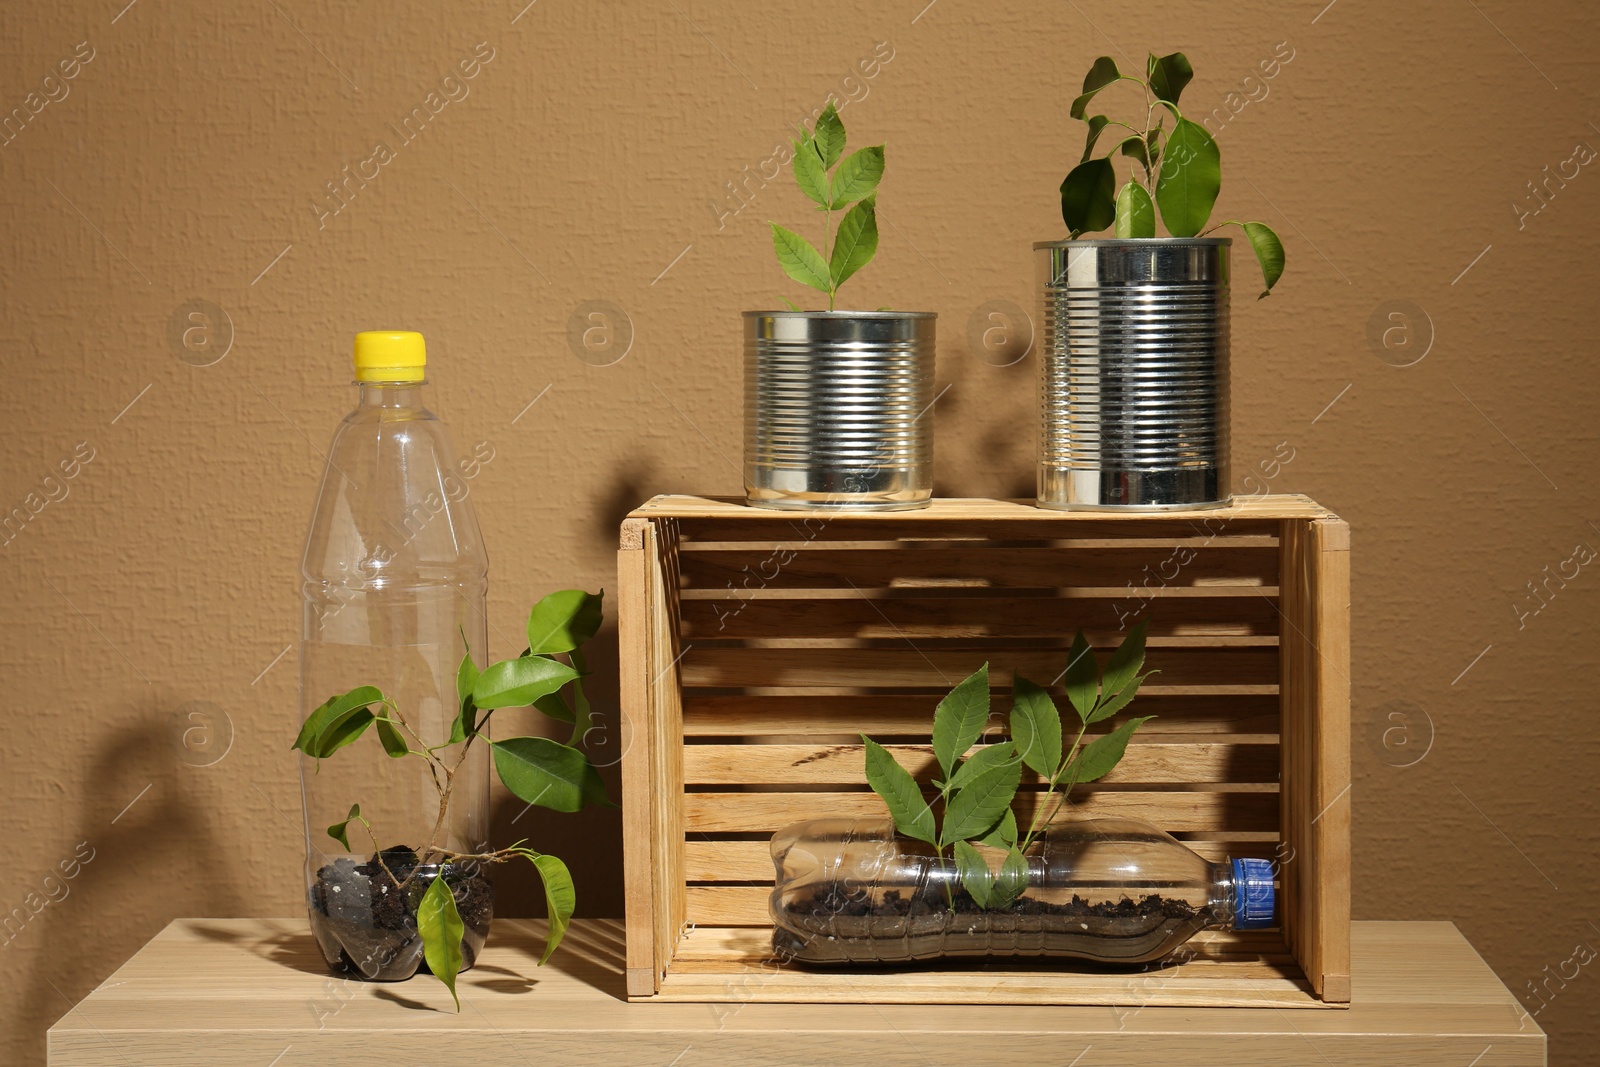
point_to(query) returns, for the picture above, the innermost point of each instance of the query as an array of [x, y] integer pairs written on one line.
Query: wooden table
[[219, 992]]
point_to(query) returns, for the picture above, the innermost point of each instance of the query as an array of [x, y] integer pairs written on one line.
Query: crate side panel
[[640, 886], [1315, 868]]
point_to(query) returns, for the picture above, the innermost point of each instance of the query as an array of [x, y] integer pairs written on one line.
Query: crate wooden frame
[[738, 624]]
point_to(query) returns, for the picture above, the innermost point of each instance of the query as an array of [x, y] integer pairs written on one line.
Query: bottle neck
[[391, 395], [1224, 895], [1243, 894]]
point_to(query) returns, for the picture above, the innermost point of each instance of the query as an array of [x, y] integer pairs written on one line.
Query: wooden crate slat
[[965, 617], [980, 567], [1147, 762], [1202, 983], [722, 668], [899, 714], [767, 812], [1041, 538], [728, 519], [1121, 595], [794, 532]]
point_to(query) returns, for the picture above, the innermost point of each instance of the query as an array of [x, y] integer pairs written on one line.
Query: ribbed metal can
[[836, 409], [1133, 380]]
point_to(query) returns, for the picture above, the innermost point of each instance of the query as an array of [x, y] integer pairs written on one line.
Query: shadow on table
[[591, 952]]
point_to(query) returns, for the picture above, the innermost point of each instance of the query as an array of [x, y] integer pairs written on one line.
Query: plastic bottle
[[394, 580], [1110, 890]]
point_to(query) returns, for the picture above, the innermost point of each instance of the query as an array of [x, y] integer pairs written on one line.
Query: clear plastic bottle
[[1110, 890], [394, 580]]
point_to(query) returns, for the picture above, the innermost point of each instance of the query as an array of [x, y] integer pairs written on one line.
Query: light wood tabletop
[[220, 992]]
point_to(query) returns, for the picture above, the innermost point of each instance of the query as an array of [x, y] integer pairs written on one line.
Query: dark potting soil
[[364, 915], [836, 925]]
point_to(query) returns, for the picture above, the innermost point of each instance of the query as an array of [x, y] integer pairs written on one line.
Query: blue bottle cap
[[1254, 901]]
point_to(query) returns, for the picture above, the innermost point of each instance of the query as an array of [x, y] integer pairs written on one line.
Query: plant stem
[[449, 785], [398, 718], [1034, 826], [827, 253], [377, 851]]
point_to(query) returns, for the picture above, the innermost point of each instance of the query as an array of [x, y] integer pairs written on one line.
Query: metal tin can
[[1133, 383], [836, 409]]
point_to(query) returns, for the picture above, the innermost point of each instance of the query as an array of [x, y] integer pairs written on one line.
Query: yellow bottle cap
[[390, 356]]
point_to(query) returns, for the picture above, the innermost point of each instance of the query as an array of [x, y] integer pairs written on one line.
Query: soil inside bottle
[[364, 915], [841, 925]]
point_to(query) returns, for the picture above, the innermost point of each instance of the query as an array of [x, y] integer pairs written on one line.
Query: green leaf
[[466, 718], [1035, 726], [554, 706], [337, 722], [1083, 677], [911, 814], [1102, 74], [1190, 178], [857, 176], [982, 761], [580, 702], [547, 773], [1004, 834], [563, 621], [809, 173], [799, 260], [1168, 75], [512, 683], [1269, 253], [980, 803], [560, 900], [1088, 196], [339, 831], [440, 926], [1113, 704], [974, 873], [960, 718], [1098, 757], [1136, 214], [1097, 123], [1135, 149], [1011, 881], [392, 742], [829, 135], [466, 677], [341, 732], [1125, 662], [856, 242]]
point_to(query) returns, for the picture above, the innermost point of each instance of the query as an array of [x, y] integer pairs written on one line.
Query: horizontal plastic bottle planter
[[1109, 890]]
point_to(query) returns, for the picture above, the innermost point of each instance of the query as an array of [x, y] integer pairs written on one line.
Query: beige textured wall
[[187, 159]]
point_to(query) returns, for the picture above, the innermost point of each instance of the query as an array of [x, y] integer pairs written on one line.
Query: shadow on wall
[[163, 837], [632, 486], [589, 842], [1003, 469]]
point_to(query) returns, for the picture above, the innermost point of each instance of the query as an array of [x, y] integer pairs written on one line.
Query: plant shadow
[[162, 833]]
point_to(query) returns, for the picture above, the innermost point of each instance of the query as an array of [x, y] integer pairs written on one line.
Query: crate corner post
[[1315, 696]]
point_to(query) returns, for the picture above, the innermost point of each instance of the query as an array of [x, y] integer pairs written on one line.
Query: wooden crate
[[757, 644]]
